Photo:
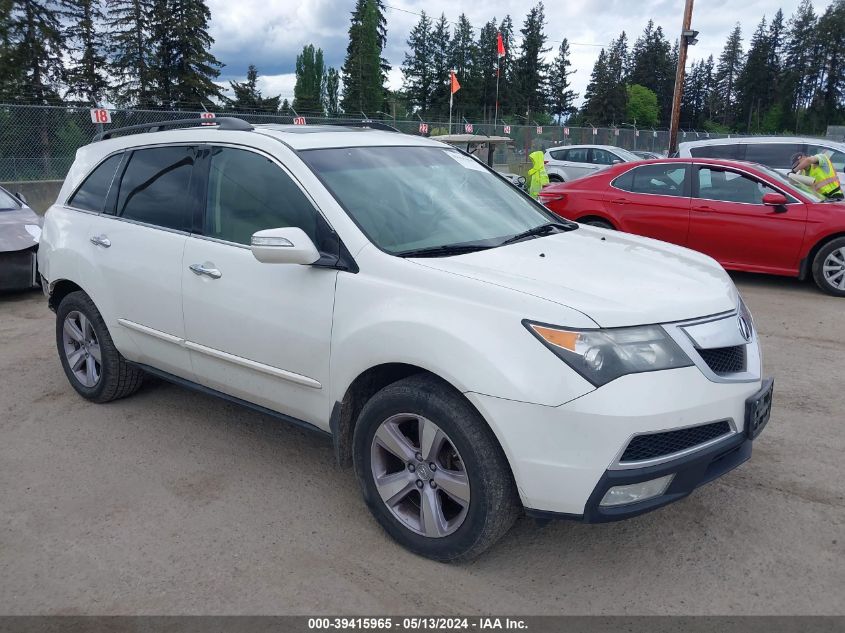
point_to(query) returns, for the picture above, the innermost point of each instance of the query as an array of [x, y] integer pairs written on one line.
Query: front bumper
[[18, 269], [564, 459]]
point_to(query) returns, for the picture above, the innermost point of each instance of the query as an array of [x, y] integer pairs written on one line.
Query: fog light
[[623, 495]]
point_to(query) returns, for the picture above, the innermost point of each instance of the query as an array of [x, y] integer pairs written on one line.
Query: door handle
[[620, 201], [101, 240], [703, 209], [206, 269]]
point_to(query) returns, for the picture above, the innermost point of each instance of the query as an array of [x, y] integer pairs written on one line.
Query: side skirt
[[219, 394]]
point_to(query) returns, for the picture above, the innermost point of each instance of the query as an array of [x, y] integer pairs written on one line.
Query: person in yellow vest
[[537, 176], [822, 171]]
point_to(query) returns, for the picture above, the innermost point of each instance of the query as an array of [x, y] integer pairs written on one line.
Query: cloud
[[270, 34]]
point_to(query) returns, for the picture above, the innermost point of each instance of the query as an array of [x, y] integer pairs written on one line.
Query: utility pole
[[687, 39]]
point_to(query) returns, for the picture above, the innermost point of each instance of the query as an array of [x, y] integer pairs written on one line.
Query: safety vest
[[537, 176], [824, 175]]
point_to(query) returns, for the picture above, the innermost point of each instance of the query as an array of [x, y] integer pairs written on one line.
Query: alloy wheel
[[82, 349], [420, 475], [833, 268]]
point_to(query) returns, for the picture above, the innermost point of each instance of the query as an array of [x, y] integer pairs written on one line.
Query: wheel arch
[[59, 290], [806, 268], [596, 216]]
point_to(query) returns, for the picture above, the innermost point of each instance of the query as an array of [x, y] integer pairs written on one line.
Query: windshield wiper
[[444, 251], [538, 231]]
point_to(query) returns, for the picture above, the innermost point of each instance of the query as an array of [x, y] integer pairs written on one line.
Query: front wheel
[[431, 471], [829, 267], [602, 224]]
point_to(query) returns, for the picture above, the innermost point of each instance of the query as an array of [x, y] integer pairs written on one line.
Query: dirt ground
[[173, 502]]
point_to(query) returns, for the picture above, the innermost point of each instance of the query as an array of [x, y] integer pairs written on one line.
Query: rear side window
[[155, 188], [774, 155], [727, 152], [91, 196], [836, 157], [663, 180], [578, 155], [247, 192]]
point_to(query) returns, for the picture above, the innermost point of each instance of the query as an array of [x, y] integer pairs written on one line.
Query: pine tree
[[10, 76], [594, 110], [364, 72], [462, 57], [86, 75], [753, 81], [727, 71], [417, 71], [507, 69], [617, 97], [248, 97], [532, 70], [309, 91], [185, 69], [561, 96], [651, 65], [35, 48], [441, 49], [332, 96], [129, 49], [828, 106], [798, 58]]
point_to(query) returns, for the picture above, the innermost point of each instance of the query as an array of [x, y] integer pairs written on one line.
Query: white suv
[[567, 163], [472, 355]]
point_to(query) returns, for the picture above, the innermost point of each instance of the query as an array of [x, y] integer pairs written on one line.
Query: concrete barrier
[[39, 194]]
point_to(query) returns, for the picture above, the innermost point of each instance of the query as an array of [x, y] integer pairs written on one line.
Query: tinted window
[[731, 152], [91, 196], [247, 192], [774, 155], [559, 154], [155, 187], [578, 155], [836, 157], [729, 186], [663, 180], [603, 157]]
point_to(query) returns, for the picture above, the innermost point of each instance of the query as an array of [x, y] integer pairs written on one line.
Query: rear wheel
[[555, 178], [431, 471], [92, 364], [829, 267]]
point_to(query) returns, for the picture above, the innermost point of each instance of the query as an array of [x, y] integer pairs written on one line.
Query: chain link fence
[[39, 142]]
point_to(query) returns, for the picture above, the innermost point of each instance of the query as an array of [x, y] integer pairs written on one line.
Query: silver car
[[20, 231], [576, 161]]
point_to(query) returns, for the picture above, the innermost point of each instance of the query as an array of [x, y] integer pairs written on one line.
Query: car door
[[256, 331], [602, 159], [576, 163], [137, 246], [729, 222], [652, 200]]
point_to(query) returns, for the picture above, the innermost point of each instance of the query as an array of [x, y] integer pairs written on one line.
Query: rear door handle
[[703, 209], [206, 269], [620, 201], [101, 240]]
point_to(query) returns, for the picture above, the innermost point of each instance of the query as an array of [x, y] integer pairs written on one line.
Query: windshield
[[624, 153], [411, 198], [783, 180], [8, 201]]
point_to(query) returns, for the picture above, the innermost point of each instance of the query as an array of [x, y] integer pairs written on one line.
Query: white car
[[472, 355], [772, 151], [571, 162]]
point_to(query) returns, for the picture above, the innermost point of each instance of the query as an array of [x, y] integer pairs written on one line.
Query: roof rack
[[222, 123], [373, 125]]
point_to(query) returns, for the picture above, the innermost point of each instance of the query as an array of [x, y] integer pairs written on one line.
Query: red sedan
[[746, 216]]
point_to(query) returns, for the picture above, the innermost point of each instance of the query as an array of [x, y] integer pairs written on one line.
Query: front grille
[[655, 445], [724, 360]]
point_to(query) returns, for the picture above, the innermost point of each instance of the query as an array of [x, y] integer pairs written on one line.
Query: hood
[[19, 229], [537, 159], [614, 278]]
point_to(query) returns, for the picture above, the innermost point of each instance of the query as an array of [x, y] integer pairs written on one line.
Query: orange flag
[[455, 85]]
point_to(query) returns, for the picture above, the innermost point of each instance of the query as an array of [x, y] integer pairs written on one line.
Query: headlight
[[604, 355]]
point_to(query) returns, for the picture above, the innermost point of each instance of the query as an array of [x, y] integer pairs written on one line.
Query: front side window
[[774, 155], [410, 198], [247, 192], [730, 186], [836, 157], [578, 155], [156, 187], [726, 152], [663, 180], [91, 196], [603, 157]]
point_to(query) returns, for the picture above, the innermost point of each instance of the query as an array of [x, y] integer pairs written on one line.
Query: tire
[[81, 334], [829, 267], [602, 224], [469, 455], [555, 178]]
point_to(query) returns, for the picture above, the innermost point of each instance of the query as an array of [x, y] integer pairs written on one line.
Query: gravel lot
[[175, 502]]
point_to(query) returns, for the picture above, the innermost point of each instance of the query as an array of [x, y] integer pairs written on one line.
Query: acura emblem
[[744, 328]]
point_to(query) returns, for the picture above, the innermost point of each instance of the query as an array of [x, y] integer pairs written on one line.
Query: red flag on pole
[[455, 85], [500, 45]]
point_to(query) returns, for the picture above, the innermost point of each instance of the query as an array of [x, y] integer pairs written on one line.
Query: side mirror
[[774, 199], [20, 197], [616, 162], [283, 246]]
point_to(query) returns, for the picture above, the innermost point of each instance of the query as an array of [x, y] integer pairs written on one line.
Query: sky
[[270, 33]]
